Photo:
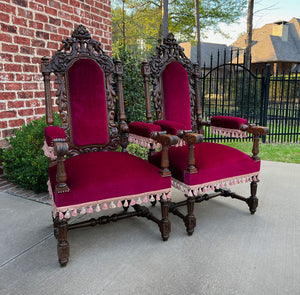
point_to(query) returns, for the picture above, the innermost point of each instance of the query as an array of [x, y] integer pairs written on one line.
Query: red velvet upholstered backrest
[[87, 103], [176, 94]]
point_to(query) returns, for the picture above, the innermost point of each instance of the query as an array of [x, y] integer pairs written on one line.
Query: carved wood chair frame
[[167, 53], [81, 46]]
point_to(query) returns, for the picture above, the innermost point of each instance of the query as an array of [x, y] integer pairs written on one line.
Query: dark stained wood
[[46, 70], [253, 200], [166, 140], [167, 53], [191, 139], [257, 131], [145, 70], [82, 46], [165, 225], [63, 249], [190, 219], [60, 150]]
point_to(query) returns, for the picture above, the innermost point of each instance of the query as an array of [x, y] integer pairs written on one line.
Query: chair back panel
[[87, 103], [85, 95], [176, 94]]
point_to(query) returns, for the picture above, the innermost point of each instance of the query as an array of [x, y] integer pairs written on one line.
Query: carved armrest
[[140, 133], [60, 150], [256, 131], [228, 126], [191, 139], [51, 133], [166, 140], [201, 123]]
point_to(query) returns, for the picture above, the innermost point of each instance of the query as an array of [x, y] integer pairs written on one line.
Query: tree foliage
[[143, 20]]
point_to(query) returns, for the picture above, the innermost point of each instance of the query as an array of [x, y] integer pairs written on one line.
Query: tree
[[249, 34], [197, 21], [165, 18], [144, 19]]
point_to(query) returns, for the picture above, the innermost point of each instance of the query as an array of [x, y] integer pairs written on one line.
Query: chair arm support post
[[166, 140], [60, 150], [122, 117], [201, 123], [145, 70], [196, 76], [46, 70], [191, 139], [257, 131]]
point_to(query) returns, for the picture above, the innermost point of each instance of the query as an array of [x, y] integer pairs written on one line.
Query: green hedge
[[24, 162]]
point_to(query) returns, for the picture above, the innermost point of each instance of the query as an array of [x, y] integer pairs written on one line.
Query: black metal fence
[[260, 96]]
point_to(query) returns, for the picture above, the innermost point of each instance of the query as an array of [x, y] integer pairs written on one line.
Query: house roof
[[207, 50], [275, 42]]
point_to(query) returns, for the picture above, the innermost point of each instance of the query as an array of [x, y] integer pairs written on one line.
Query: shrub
[[24, 163], [133, 86], [138, 151]]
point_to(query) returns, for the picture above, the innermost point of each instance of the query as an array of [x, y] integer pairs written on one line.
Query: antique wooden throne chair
[[197, 167], [86, 174]]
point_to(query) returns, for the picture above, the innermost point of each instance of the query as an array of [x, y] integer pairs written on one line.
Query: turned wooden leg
[[55, 226], [252, 201], [165, 225], [153, 203], [63, 249], [190, 220]]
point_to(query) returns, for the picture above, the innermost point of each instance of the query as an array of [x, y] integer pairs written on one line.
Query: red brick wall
[[29, 31]]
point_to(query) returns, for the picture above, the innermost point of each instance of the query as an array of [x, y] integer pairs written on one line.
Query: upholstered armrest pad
[[227, 122], [143, 129], [53, 132], [170, 126]]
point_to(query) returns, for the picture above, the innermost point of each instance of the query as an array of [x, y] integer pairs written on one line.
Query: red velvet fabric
[[227, 122], [88, 103], [170, 126], [213, 161], [177, 94], [52, 132], [102, 175], [142, 128]]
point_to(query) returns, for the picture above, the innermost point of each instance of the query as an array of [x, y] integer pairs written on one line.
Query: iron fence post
[[265, 98]]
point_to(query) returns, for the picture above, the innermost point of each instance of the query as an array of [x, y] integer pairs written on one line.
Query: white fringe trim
[[97, 206], [228, 132], [195, 190], [143, 141], [48, 151]]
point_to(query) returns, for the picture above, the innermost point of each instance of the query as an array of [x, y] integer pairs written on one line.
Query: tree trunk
[[165, 24], [249, 34], [197, 19]]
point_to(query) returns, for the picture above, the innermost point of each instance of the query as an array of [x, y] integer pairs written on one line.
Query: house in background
[[277, 44], [212, 54]]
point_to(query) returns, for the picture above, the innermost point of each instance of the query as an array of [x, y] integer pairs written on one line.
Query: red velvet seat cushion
[[227, 122], [52, 132], [105, 175], [143, 129], [213, 161], [171, 126]]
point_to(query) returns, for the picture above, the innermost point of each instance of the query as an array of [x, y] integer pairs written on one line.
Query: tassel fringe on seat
[[228, 132], [85, 208], [196, 190]]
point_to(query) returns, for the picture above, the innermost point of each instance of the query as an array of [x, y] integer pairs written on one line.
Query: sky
[[278, 10]]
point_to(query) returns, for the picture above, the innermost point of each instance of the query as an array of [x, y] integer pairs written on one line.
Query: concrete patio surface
[[231, 251]]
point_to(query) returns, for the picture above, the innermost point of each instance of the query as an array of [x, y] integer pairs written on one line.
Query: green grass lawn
[[280, 152]]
